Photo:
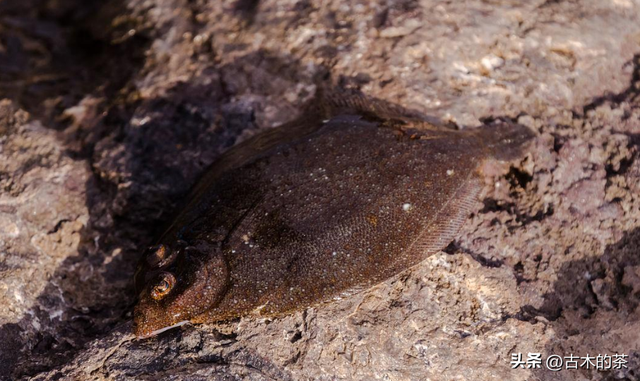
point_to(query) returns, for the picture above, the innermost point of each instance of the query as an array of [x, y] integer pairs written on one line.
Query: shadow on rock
[[145, 158], [592, 300], [629, 95], [59, 52]]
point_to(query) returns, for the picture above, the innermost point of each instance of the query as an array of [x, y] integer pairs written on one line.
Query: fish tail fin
[[505, 141]]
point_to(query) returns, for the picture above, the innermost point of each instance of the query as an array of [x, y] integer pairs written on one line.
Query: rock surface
[[110, 111]]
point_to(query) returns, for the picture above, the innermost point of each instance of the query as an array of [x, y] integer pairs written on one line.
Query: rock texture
[[110, 111]]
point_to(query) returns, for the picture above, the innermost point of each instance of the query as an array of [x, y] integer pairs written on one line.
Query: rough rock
[[111, 110]]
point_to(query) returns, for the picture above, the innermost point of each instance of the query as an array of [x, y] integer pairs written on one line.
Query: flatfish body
[[347, 196]]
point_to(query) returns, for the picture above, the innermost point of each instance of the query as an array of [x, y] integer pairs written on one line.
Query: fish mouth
[[151, 319], [148, 334]]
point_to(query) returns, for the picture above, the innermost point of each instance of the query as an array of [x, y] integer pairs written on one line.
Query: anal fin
[[447, 223]]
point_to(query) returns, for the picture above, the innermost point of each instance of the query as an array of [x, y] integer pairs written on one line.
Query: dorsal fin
[[332, 102]]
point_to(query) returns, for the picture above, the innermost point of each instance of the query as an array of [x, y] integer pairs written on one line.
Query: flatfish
[[350, 194]]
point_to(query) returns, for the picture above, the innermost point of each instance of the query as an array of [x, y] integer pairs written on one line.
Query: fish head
[[176, 283]]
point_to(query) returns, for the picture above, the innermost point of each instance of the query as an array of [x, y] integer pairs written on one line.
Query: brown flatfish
[[350, 194]]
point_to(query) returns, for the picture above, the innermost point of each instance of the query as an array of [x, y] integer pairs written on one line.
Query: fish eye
[[156, 255], [160, 256], [163, 285]]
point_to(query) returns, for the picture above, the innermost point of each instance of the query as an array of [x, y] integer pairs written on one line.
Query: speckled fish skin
[[343, 198]]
